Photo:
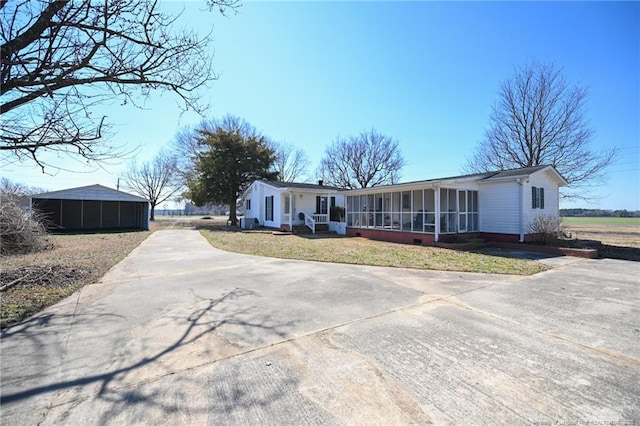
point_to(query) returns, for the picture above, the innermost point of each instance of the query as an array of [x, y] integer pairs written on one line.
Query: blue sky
[[425, 73]]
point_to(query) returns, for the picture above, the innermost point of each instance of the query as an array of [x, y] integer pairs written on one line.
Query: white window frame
[[537, 197], [268, 208]]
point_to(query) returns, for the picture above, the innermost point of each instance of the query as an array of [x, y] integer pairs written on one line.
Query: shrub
[[20, 231], [545, 229]]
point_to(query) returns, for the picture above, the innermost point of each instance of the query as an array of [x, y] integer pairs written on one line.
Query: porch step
[[303, 230], [300, 229]]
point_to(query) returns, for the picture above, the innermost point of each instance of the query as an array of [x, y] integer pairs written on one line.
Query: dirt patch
[[27, 290], [41, 276], [38, 280]]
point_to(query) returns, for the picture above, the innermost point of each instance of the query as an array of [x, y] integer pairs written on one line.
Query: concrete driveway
[[182, 333]]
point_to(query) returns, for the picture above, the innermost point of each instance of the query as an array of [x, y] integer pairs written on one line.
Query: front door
[[321, 205], [290, 208]]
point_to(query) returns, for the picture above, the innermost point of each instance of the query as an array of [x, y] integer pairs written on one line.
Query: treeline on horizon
[[598, 213]]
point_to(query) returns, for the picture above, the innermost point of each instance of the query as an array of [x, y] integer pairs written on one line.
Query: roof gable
[[526, 172], [91, 192]]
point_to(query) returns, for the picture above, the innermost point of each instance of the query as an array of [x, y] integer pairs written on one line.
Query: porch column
[[291, 198], [328, 207], [437, 204]]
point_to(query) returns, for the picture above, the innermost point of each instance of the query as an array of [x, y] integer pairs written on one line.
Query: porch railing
[[310, 222], [321, 218], [314, 219]]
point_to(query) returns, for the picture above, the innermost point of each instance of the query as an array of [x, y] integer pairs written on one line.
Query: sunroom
[[417, 209]]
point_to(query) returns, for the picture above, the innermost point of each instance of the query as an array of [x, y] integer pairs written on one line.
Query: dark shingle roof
[[510, 173], [499, 174], [523, 171], [515, 172], [300, 185]]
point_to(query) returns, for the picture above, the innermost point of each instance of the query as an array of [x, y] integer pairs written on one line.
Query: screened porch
[[426, 210]]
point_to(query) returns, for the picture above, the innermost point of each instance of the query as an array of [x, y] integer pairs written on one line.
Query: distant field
[[617, 221], [614, 231]]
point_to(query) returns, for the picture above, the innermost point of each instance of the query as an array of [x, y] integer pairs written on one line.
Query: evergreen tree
[[229, 159]]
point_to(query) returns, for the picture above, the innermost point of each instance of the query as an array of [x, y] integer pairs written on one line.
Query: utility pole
[[118, 185]]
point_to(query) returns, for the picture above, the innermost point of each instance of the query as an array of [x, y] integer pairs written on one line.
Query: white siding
[[257, 203], [499, 207], [302, 202], [252, 212], [305, 204], [551, 197], [268, 191]]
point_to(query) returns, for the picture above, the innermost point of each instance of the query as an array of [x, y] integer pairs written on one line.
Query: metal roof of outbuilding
[[91, 192]]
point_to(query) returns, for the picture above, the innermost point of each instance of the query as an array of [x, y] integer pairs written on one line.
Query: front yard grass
[[362, 251]]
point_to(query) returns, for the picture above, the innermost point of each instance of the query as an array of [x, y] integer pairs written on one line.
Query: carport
[[92, 207]]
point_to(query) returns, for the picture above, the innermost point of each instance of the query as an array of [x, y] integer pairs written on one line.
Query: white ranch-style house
[[285, 205], [495, 206]]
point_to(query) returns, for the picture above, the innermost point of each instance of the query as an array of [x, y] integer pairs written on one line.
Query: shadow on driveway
[[199, 324]]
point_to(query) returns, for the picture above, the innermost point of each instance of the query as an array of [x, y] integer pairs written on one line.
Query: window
[[415, 211], [377, 220], [537, 198], [472, 206], [462, 211], [247, 204], [396, 209], [287, 204], [418, 211], [406, 215], [467, 211], [448, 210], [406, 200], [268, 208]]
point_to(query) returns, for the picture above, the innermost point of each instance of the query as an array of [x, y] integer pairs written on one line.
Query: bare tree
[[156, 180], [18, 192], [539, 120], [17, 189], [363, 161], [21, 231], [291, 163], [61, 58]]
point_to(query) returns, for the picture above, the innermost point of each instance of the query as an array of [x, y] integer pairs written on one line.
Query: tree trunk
[[153, 212], [233, 219]]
